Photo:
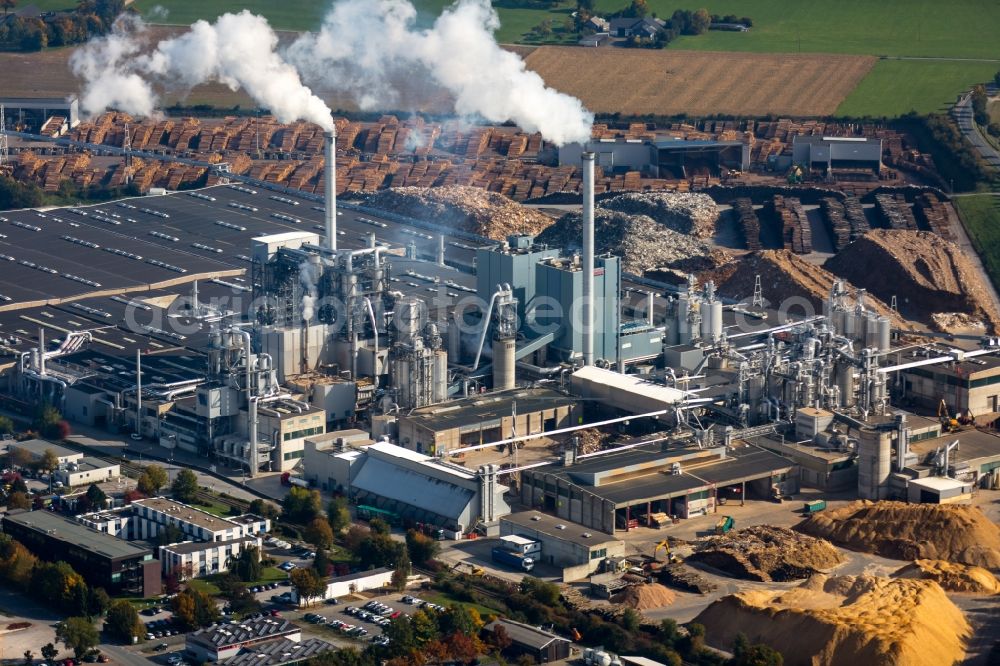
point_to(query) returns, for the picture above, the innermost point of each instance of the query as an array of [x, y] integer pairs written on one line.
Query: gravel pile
[[470, 209], [693, 214], [642, 243]]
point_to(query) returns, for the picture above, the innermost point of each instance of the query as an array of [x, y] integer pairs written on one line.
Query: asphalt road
[[962, 112]]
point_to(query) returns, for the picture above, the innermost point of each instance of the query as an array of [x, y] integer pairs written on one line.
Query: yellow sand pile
[[845, 620], [953, 577], [644, 597], [911, 531]]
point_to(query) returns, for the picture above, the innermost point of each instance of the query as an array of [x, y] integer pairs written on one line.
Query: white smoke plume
[[238, 50], [105, 65], [308, 275], [366, 45]]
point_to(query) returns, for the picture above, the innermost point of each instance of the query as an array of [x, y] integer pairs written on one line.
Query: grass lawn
[[203, 585], [895, 87], [981, 215], [215, 508], [444, 600]]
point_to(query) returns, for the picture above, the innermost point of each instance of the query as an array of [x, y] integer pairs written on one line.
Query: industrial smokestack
[[588, 258], [330, 187], [440, 250]]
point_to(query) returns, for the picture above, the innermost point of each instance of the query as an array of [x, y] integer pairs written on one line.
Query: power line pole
[[127, 146], [4, 148]]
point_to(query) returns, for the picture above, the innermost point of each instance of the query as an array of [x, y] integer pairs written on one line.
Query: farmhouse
[[636, 27]]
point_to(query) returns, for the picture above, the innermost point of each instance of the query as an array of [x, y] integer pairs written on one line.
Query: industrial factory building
[[119, 566], [660, 158], [834, 153], [622, 490], [406, 485], [52, 116], [578, 551], [493, 417]]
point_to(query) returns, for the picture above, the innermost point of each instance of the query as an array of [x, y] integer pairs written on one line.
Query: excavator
[[671, 558], [948, 423]]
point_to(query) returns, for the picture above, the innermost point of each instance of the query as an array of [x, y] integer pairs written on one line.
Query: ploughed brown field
[[666, 82]]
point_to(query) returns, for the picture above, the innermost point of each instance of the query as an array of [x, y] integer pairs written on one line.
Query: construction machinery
[[665, 546], [948, 422]]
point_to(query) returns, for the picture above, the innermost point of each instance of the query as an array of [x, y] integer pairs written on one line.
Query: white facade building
[[154, 514], [200, 558]]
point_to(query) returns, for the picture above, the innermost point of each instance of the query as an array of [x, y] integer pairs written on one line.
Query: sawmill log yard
[[404, 332]]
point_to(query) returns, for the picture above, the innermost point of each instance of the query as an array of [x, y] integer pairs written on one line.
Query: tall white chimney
[[330, 187], [588, 258]]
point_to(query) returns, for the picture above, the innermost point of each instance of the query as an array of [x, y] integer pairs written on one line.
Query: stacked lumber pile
[[749, 223], [836, 222], [896, 213], [934, 214]]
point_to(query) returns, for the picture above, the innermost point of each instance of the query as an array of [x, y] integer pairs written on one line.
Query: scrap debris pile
[[766, 553], [692, 214], [469, 209], [902, 531], [926, 273], [953, 577], [642, 243], [846, 620]]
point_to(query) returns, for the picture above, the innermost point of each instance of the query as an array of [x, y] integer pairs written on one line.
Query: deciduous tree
[[123, 621], [338, 515], [185, 486], [152, 479], [78, 634], [308, 584]]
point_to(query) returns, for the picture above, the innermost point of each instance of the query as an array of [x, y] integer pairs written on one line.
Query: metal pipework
[[329, 186], [588, 258]]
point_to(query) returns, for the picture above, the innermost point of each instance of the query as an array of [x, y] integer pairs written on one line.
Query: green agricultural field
[[981, 215], [954, 29], [284, 15], [896, 87], [962, 32]]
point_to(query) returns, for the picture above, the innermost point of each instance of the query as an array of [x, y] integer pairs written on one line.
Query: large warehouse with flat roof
[[620, 491]]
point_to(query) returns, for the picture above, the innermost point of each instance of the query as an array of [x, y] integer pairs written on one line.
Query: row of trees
[[91, 18]]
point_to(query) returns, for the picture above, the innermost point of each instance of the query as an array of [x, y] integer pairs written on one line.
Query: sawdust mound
[[692, 214], [783, 276], [953, 577], [902, 531], [767, 553], [927, 273], [640, 241], [845, 620], [645, 597], [470, 209]]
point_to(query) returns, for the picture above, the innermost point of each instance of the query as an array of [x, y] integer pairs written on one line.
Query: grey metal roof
[[741, 463], [524, 634], [75, 534], [493, 406], [198, 546], [38, 447], [549, 525], [382, 478], [276, 653], [225, 635]]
